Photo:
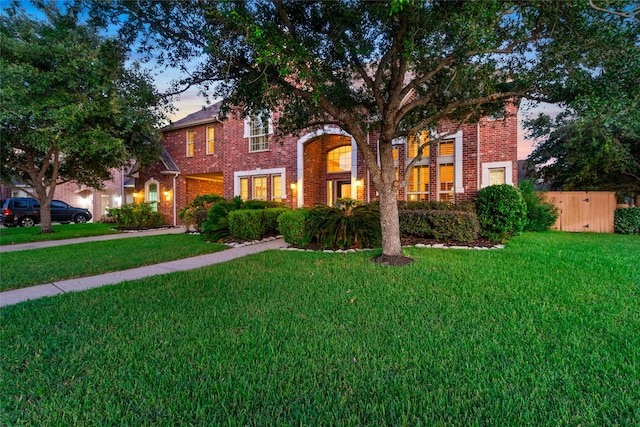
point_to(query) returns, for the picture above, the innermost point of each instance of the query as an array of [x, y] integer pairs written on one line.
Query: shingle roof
[[207, 114]]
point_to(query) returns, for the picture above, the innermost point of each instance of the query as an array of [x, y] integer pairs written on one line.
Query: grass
[[543, 333], [37, 266], [15, 235]]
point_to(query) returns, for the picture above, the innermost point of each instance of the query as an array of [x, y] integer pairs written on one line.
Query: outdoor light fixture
[[167, 196], [293, 185], [358, 182]]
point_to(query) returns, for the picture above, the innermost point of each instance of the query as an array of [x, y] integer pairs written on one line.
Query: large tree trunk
[[45, 215], [389, 222]]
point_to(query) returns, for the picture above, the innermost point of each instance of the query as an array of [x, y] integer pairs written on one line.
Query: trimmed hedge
[[293, 225], [627, 220], [254, 224], [439, 224], [246, 224], [423, 205]]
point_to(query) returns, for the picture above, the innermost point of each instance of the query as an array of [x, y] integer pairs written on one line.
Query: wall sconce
[[135, 196], [167, 196], [358, 182], [293, 185]]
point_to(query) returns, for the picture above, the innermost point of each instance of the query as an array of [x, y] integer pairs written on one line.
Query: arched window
[[339, 159], [151, 193]]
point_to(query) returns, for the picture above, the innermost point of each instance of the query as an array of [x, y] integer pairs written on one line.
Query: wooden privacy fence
[[583, 210]]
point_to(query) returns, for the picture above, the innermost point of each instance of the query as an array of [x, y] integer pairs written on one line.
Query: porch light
[[358, 182], [293, 185], [167, 196]]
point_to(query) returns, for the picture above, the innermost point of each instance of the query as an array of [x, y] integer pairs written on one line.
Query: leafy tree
[[69, 109], [395, 68], [583, 153]]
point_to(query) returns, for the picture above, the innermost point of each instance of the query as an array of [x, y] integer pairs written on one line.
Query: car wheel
[[80, 219], [26, 221]]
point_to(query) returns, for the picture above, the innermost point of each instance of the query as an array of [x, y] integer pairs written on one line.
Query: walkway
[[84, 283]]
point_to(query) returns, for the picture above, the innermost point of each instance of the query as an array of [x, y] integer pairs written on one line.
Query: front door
[[337, 189]]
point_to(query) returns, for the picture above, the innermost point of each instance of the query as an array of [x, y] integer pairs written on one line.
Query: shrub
[[423, 205], [541, 215], [292, 225], [137, 216], [344, 226], [439, 224], [270, 220], [627, 220], [195, 213], [502, 212], [246, 224], [216, 227], [254, 224]]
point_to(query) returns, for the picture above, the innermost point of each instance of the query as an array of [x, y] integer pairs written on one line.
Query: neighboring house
[[113, 193], [206, 153]]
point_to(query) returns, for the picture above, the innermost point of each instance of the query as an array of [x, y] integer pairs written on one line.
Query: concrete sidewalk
[[51, 243], [84, 283]]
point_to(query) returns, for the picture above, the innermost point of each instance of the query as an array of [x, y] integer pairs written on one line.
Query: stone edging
[[343, 251]]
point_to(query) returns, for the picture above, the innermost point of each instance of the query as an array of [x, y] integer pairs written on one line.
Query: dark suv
[[25, 212]]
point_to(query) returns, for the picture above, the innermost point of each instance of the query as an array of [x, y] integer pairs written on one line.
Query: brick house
[[205, 153], [113, 193]]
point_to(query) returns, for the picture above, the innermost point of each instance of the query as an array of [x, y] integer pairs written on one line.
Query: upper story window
[[190, 142], [257, 129], [210, 140], [414, 143], [339, 159], [446, 148]]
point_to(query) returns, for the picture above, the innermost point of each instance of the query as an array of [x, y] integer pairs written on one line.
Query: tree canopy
[[69, 108], [395, 68]]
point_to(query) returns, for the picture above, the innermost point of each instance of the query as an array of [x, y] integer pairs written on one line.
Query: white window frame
[[149, 183], [247, 131], [508, 172], [192, 144], [260, 172], [208, 140]]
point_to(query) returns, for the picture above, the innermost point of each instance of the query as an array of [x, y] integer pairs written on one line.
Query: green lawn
[[37, 266], [543, 333], [14, 235]]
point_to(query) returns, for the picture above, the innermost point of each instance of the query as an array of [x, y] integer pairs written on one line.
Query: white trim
[[325, 130], [260, 172], [508, 172], [149, 182]]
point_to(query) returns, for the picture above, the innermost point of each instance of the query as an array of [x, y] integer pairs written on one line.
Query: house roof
[[206, 115], [170, 167]]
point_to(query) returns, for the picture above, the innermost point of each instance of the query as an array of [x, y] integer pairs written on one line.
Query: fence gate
[[590, 211]]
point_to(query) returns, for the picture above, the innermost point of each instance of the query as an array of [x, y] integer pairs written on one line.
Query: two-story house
[[206, 153]]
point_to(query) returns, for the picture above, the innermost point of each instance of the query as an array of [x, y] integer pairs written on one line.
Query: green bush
[[254, 224], [293, 226], [270, 220], [502, 212], [627, 220], [541, 215], [216, 227], [344, 226], [195, 213], [136, 216], [439, 224], [423, 205], [246, 224]]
